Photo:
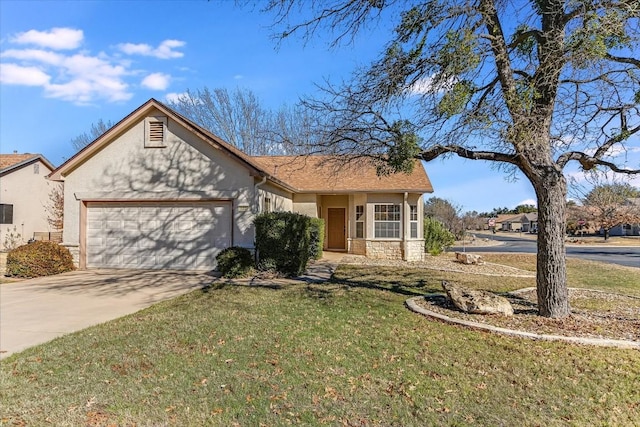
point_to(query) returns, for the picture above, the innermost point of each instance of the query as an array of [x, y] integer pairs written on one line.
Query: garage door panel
[[164, 235]]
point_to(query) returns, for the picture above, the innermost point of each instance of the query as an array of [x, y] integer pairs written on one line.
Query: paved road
[[38, 310], [629, 256]]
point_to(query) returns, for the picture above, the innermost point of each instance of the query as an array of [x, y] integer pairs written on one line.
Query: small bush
[[235, 262], [436, 237], [39, 259]]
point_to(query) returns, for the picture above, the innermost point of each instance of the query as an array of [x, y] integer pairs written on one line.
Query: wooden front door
[[337, 228]]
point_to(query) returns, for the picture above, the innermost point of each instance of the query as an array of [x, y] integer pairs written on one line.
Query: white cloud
[[12, 74], [429, 86], [156, 81], [175, 97], [78, 76], [37, 55], [165, 50], [532, 202], [238, 77], [56, 38]]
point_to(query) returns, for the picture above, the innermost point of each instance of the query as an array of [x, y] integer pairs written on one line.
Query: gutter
[[255, 195]]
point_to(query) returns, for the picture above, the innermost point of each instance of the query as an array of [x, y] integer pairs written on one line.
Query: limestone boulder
[[466, 258], [477, 301]]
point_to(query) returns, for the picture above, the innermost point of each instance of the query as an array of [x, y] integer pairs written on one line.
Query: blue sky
[[65, 65]]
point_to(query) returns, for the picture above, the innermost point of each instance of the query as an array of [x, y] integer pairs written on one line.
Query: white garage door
[[157, 235]]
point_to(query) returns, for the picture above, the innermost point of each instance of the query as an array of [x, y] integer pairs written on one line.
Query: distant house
[[24, 193], [632, 229], [158, 191], [527, 222]]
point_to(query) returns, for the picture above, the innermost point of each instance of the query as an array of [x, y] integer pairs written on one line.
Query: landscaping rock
[[466, 258], [477, 302]]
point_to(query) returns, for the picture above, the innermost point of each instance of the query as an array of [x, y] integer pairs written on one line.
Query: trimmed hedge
[[317, 238], [235, 262], [283, 242], [38, 259]]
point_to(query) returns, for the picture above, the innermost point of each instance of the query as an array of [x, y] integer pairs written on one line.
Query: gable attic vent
[[155, 132]]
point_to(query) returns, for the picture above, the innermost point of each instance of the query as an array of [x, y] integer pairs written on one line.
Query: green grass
[[341, 353]]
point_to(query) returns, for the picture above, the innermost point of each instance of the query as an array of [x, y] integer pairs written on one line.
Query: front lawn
[[341, 353]]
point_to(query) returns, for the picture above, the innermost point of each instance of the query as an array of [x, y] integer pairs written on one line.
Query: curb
[[601, 342]]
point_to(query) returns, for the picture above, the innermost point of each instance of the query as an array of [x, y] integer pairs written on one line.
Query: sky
[[67, 64]]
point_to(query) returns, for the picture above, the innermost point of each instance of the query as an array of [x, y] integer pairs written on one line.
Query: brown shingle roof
[[12, 162], [7, 160], [330, 174]]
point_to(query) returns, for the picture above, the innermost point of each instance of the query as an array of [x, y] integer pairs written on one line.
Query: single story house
[[158, 191], [629, 229], [518, 222], [24, 194]]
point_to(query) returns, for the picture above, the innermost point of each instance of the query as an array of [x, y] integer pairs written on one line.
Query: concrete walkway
[[38, 310]]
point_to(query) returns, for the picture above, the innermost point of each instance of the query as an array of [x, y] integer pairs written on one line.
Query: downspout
[[405, 215], [256, 197]]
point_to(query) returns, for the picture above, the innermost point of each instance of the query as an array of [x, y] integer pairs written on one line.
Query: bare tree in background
[[608, 203], [529, 85], [239, 118], [446, 212], [55, 207], [86, 138]]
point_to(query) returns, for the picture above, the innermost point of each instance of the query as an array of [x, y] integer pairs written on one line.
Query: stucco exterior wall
[[281, 201], [27, 189], [306, 204], [185, 169]]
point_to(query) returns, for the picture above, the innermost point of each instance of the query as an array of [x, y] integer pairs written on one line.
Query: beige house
[[24, 194], [158, 191]]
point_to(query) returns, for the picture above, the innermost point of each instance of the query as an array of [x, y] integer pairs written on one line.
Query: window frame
[[360, 220], [387, 222], [6, 213], [413, 221]]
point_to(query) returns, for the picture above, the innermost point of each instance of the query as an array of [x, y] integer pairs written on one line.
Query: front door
[[337, 229]]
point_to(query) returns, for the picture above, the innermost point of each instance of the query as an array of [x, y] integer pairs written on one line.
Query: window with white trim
[[6, 214], [155, 132], [266, 207], [386, 221], [413, 221], [359, 221]]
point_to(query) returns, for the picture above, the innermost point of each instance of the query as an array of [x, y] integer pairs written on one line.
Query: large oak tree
[[531, 85]]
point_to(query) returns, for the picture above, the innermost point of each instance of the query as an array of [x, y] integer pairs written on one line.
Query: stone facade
[[384, 249], [357, 247]]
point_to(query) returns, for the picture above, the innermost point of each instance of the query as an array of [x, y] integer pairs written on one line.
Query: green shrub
[[235, 262], [39, 259], [283, 241], [317, 238], [436, 237]]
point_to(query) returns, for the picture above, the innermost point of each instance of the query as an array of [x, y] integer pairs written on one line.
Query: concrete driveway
[[35, 311]]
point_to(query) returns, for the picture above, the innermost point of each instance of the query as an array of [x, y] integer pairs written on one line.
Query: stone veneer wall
[[381, 249], [357, 247], [415, 250], [386, 249]]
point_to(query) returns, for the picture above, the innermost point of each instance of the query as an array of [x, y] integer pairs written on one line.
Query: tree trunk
[[606, 234], [551, 278]]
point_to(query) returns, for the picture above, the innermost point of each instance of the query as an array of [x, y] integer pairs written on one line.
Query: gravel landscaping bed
[[445, 262], [595, 314], [615, 316]]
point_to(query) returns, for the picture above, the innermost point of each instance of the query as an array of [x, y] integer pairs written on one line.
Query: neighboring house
[[520, 222], [158, 191], [24, 194], [530, 222], [632, 229]]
